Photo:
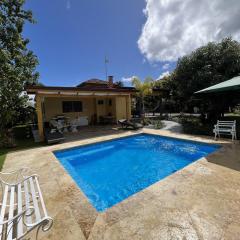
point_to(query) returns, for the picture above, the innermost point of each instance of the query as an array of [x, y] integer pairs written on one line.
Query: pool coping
[[75, 218], [72, 173], [219, 145]]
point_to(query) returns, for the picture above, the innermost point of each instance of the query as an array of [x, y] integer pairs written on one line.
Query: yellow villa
[[91, 102]]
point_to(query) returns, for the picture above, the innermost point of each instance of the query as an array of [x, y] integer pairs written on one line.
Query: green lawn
[[3, 153], [21, 145]]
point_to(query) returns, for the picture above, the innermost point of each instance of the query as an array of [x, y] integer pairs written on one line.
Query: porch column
[[128, 107], [39, 117], [95, 114]]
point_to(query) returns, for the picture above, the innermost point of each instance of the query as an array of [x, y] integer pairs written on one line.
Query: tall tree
[[18, 64], [206, 66], [144, 88]]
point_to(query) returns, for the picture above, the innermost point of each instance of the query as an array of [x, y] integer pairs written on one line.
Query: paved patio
[[201, 201]]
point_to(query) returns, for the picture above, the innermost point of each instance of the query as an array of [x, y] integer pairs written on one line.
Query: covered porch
[[94, 131], [80, 108]]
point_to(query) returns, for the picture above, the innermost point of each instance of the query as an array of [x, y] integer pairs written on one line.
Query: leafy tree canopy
[[164, 83], [206, 66], [119, 83], [144, 88], [18, 64]]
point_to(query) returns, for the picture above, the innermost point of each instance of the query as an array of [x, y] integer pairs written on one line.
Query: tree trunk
[[143, 108]]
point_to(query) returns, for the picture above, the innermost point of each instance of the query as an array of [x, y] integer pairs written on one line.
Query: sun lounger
[[53, 136], [129, 124]]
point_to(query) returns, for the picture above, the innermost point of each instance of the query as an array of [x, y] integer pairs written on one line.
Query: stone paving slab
[[201, 201]]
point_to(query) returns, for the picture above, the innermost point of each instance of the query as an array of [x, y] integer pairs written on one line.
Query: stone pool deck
[[201, 201]]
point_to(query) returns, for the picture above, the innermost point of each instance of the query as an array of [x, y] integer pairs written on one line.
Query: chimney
[[110, 81]]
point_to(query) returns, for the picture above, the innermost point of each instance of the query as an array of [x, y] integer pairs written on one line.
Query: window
[[71, 106], [100, 102], [77, 106], [67, 107]]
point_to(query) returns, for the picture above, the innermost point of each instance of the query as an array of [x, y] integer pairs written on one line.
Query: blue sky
[[140, 37], [72, 37]]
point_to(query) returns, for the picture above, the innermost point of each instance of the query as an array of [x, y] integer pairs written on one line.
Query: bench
[[22, 206], [226, 128]]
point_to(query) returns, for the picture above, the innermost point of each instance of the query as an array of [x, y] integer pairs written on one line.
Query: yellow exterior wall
[[53, 107], [49, 106], [121, 108], [111, 109], [105, 109], [101, 109]]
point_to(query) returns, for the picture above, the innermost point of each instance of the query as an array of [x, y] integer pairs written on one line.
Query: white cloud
[[175, 27], [164, 74], [166, 66], [127, 79]]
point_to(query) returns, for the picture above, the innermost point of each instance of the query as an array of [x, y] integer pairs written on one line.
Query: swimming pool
[[109, 172]]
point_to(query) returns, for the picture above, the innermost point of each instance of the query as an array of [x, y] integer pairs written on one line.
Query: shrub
[[194, 125], [22, 132], [158, 124]]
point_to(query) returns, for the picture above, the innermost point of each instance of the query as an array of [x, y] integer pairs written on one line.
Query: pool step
[[83, 153]]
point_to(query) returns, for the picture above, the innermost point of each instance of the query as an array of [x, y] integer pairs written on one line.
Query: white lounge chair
[[22, 207], [73, 124], [57, 124], [82, 121], [226, 128]]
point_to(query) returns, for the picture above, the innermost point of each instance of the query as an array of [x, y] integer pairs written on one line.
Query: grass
[[22, 144], [3, 154]]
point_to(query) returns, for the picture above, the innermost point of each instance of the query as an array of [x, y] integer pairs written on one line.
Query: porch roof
[[78, 90]]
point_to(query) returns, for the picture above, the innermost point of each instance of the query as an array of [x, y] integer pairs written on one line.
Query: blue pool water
[[109, 172]]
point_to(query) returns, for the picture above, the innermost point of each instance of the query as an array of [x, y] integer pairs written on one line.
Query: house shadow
[[86, 133], [227, 156]]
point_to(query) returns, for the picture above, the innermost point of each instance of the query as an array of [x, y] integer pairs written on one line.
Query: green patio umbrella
[[229, 85]]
